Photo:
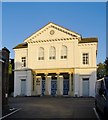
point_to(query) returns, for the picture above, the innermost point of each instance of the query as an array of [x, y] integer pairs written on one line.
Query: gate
[[65, 87], [53, 87], [43, 87]]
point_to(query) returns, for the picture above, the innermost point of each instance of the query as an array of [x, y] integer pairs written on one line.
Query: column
[[47, 85], [70, 84], [59, 84], [46, 92]]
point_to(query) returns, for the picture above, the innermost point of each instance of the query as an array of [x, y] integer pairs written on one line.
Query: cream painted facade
[[55, 61]]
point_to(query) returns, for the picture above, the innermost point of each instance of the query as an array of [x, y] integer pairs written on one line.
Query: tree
[[106, 66], [10, 78], [101, 70], [10, 68]]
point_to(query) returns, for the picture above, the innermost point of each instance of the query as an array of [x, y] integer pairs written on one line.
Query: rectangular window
[[52, 57], [23, 61], [64, 57], [85, 58], [40, 58]]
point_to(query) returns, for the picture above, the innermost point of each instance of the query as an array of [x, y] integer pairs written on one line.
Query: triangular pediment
[[52, 31]]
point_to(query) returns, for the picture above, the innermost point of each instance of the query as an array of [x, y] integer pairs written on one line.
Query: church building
[[55, 61]]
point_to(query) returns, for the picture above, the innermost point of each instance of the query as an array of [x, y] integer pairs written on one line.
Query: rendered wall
[[84, 73], [18, 54], [18, 75], [34, 63]]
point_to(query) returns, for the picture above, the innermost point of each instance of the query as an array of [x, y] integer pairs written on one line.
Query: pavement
[[52, 107]]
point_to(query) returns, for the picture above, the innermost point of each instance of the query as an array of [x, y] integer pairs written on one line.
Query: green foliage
[[106, 65], [10, 68], [102, 69], [101, 72]]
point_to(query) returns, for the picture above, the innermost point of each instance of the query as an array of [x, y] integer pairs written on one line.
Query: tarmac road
[[53, 107]]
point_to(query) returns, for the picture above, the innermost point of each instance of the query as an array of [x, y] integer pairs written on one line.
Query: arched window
[[52, 53], [64, 52], [41, 53]]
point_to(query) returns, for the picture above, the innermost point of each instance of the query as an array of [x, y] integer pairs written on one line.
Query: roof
[[83, 40], [22, 45], [88, 40], [5, 49]]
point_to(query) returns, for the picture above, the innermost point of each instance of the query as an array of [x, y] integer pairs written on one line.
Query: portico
[[53, 82]]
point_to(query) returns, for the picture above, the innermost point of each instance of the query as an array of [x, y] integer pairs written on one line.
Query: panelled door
[[65, 86], [53, 87], [23, 87], [85, 86]]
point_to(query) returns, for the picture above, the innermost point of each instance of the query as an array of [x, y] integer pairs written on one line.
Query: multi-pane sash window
[[64, 52], [85, 58], [41, 54], [52, 53], [23, 61]]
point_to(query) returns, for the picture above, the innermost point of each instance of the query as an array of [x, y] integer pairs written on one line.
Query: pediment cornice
[[53, 40], [53, 26]]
